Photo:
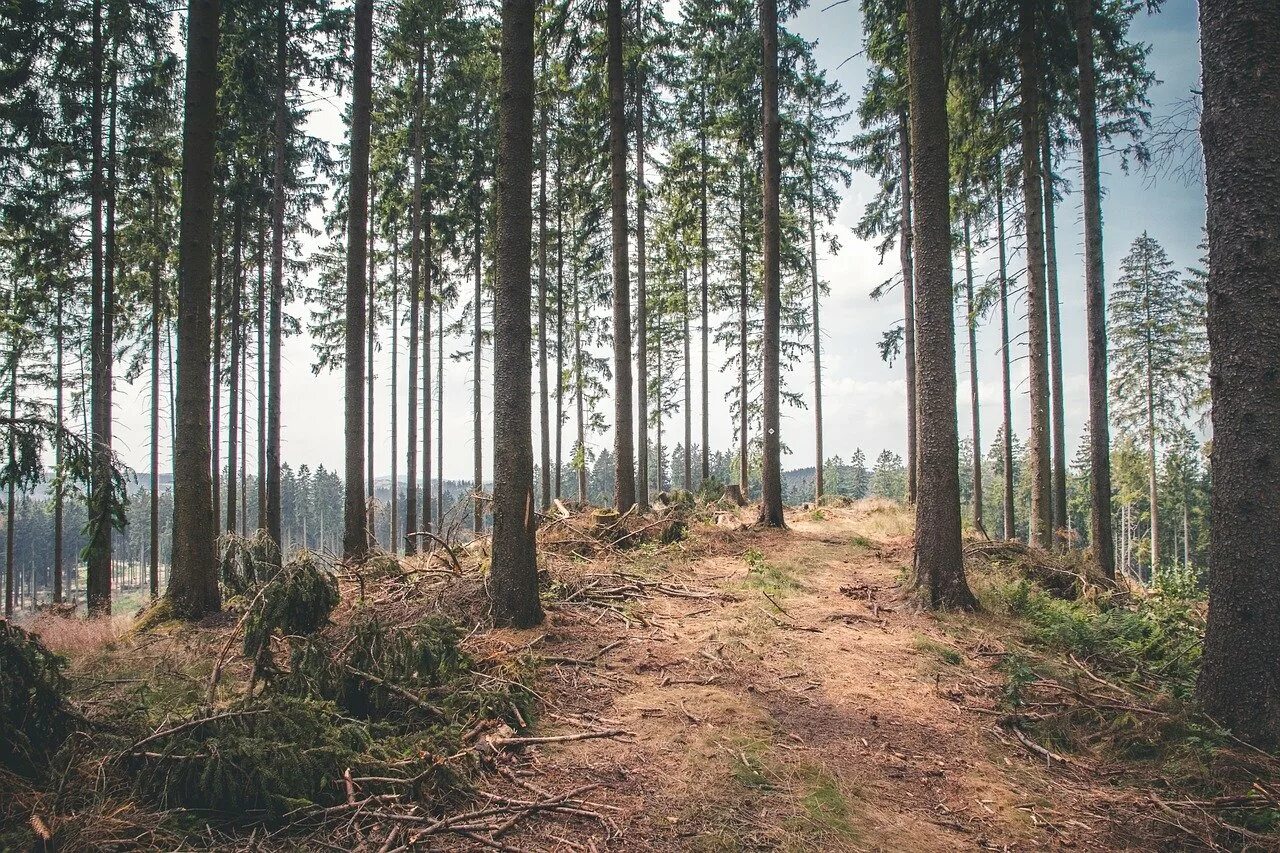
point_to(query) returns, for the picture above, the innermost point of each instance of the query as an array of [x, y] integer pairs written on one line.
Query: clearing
[[782, 694]]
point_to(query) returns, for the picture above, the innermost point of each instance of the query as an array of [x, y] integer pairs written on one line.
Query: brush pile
[[332, 708], [589, 532]]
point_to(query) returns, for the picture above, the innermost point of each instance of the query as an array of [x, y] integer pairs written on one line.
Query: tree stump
[[733, 494]]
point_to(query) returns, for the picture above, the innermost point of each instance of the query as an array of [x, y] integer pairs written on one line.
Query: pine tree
[[515, 570], [1157, 355], [193, 583]]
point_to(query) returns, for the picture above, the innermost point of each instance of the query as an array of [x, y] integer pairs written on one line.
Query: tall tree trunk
[[393, 540], [103, 273], [642, 298], [1240, 679], [355, 538], [559, 329], [11, 449], [939, 558], [1040, 531], [477, 344], [428, 306], [905, 236], [816, 292], [440, 507], [157, 310], [275, 356], [703, 260], [370, 337], [216, 401], [262, 371], [514, 572], [58, 493], [744, 398], [193, 579], [1057, 411], [771, 478], [99, 584], [971, 324], [1010, 529], [688, 381], [233, 422], [623, 421], [244, 431], [580, 453], [411, 543], [544, 406], [657, 409], [1101, 537]]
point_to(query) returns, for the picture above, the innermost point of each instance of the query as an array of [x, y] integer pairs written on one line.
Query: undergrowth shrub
[[1156, 641], [247, 561], [32, 700], [376, 662], [297, 600]]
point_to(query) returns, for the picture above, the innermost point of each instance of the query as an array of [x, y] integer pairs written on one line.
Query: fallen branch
[[500, 742]]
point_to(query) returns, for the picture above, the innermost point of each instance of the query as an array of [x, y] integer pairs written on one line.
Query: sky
[[864, 399]]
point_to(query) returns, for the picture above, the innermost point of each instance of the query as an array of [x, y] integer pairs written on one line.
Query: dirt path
[[782, 696]]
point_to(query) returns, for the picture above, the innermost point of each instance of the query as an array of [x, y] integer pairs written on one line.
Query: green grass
[[942, 652], [777, 579]]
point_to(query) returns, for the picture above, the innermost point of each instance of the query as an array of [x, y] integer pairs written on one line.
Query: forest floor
[[738, 689], [792, 697]]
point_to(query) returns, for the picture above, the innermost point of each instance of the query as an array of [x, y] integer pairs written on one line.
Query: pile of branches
[[589, 532], [322, 714], [1066, 575], [612, 592]]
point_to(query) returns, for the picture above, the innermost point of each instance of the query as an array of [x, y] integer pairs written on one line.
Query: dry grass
[[72, 636], [881, 518]]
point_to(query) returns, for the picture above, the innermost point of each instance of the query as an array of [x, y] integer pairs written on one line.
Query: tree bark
[[58, 493], [1058, 410], [1101, 536], [1010, 529], [233, 423], [905, 236], [355, 537], [939, 558], [393, 539], [971, 324], [642, 298], [816, 293], [559, 328], [371, 333], [704, 260], [1041, 528], [193, 579], [261, 324], [744, 399], [623, 420], [544, 403], [771, 477], [102, 269], [1240, 679], [411, 544], [514, 573], [440, 507], [477, 520], [580, 454], [274, 523], [688, 381]]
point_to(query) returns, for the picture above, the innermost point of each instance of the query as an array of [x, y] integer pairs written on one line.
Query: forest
[[609, 258]]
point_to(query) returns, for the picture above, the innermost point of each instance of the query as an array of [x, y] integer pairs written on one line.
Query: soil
[[781, 690]]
